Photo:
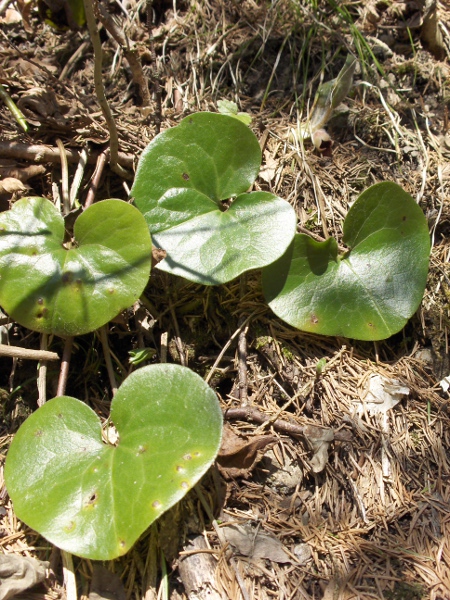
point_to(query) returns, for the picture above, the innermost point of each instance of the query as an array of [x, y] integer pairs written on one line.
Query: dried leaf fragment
[[18, 573], [237, 457], [381, 395], [249, 540], [319, 439]]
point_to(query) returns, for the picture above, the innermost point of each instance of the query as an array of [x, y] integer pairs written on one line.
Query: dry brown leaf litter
[[374, 523]]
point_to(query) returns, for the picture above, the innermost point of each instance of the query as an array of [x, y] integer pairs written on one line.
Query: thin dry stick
[[100, 90], [250, 413], [18, 352], [227, 345], [106, 351], [46, 154], [65, 363]]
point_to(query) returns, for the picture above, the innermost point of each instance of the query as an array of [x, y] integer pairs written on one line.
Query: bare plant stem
[[93, 186], [69, 576], [155, 69], [130, 52], [242, 348], [42, 374], [64, 177], [103, 331], [64, 371], [100, 90]]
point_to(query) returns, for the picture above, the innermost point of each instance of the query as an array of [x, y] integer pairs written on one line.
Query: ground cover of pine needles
[[374, 521]]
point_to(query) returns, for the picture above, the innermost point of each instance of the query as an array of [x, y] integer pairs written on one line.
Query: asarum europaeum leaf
[[191, 185], [71, 288], [93, 498], [367, 293]]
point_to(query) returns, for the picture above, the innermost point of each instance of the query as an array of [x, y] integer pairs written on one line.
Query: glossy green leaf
[[94, 499], [73, 288], [371, 291], [190, 185]]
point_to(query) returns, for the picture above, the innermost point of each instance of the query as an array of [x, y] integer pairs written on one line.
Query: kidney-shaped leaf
[[94, 499], [190, 185], [371, 291], [71, 289]]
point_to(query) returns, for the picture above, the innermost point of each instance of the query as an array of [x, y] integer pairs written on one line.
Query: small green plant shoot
[[191, 185], [94, 498], [368, 292]]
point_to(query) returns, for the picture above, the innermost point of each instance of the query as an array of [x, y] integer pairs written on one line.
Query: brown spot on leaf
[[314, 319], [185, 176], [67, 277]]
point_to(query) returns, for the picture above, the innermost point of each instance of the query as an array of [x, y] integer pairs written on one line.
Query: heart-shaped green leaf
[[371, 291], [95, 499], [71, 289], [190, 185]]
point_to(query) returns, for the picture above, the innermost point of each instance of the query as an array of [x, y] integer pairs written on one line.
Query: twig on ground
[[178, 340], [26, 353], [249, 413], [43, 154], [100, 90], [227, 345]]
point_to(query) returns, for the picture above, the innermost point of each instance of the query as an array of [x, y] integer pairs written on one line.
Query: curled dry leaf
[[251, 541], [23, 174], [18, 573], [11, 185], [319, 440], [381, 395], [269, 168], [237, 457]]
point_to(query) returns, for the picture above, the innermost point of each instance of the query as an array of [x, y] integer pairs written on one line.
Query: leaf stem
[[64, 371], [107, 353], [70, 582], [15, 110], [42, 373], [100, 90]]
